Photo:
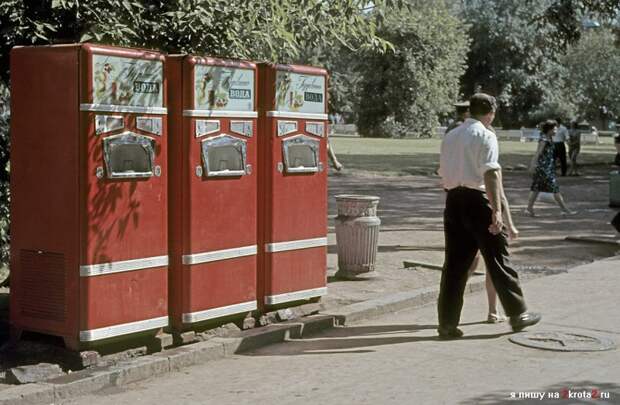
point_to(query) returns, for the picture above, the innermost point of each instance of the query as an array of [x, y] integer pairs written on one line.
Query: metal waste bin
[[357, 235]]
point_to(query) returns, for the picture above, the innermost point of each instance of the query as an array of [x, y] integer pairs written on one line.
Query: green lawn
[[399, 157]]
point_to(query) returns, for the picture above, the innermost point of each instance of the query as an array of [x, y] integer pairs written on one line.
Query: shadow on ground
[[361, 339]]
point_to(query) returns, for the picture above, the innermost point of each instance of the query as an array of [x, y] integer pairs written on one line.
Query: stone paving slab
[[132, 370], [125, 372]]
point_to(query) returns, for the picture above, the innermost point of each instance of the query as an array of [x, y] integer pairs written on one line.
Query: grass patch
[[400, 157]]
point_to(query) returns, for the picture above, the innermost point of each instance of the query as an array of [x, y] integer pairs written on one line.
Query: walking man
[[559, 144], [476, 207]]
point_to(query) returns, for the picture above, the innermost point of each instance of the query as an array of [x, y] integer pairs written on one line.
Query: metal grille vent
[[43, 285]]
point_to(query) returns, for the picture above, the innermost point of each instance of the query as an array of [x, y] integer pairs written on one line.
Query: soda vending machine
[[212, 189], [292, 184], [89, 248]]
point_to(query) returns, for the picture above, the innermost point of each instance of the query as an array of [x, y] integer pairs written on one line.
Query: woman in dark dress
[[543, 167]]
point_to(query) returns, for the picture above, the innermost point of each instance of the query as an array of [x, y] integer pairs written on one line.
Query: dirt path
[[411, 210]]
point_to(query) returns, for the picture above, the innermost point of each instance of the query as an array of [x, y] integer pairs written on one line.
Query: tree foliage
[[517, 50], [274, 30], [592, 74], [564, 19], [405, 90], [507, 56]]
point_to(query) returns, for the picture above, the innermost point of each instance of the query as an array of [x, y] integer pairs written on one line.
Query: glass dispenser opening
[[301, 154], [224, 155], [129, 155]]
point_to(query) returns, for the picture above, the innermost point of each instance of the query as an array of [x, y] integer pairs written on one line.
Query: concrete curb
[[129, 371], [392, 303]]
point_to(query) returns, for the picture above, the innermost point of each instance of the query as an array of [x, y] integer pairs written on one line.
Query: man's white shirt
[[561, 135], [467, 152]]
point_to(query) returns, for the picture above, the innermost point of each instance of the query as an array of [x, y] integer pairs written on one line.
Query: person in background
[[543, 167], [617, 144], [333, 159], [559, 139], [536, 132], [493, 316], [574, 147], [475, 209], [615, 222], [462, 113]]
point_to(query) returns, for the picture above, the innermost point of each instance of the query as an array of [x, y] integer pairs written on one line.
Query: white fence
[[531, 135], [522, 135]]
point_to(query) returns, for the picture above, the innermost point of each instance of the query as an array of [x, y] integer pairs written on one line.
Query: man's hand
[[497, 223], [493, 185], [513, 233]]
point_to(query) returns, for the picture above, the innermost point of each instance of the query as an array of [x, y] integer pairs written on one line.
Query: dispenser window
[[129, 156], [224, 155], [301, 154]]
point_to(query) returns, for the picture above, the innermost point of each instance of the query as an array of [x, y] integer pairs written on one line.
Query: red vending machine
[[89, 248], [292, 184], [212, 188]]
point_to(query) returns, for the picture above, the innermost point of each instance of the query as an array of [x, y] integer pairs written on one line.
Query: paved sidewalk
[[397, 358]]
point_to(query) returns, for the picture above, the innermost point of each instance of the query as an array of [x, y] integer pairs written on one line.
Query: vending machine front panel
[[99, 247], [213, 213], [293, 184]]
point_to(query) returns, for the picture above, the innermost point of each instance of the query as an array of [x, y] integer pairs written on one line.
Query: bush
[[390, 128]]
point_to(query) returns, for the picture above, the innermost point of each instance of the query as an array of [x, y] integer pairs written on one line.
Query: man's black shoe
[[449, 333], [519, 322]]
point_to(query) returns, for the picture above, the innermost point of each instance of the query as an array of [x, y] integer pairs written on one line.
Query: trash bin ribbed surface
[[357, 234]]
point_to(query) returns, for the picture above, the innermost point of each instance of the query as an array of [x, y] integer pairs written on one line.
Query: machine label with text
[[223, 88], [297, 92], [127, 81]]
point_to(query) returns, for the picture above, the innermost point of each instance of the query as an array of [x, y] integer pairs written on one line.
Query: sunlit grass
[[397, 157]]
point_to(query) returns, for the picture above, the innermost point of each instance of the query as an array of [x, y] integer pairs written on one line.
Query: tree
[[592, 74], [566, 18], [274, 30], [406, 89], [516, 48], [507, 56]]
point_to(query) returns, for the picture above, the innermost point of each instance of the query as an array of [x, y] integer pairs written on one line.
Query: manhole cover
[[563, 341]]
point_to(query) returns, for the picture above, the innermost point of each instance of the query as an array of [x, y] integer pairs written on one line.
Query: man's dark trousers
[[559, 152], [466, 221]]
